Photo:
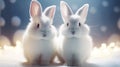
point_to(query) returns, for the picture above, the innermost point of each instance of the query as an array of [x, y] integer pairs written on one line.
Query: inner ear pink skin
[[35, 9]]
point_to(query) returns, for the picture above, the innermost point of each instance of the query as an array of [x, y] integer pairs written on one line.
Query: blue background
[[103, 16]]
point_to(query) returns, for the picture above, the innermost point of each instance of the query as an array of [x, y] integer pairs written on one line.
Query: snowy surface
[[13, 57]]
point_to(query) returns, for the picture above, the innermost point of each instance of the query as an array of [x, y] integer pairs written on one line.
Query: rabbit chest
[[37, 47], [76, 46]]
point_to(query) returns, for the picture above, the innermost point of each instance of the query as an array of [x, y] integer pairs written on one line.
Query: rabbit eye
[[67, 24], [38, 25], [79, 24]]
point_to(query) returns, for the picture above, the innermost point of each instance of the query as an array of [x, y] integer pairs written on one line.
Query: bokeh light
[[114, 38], [2, 22], [16, 21], [12, 55], [18, 36], [2, 5], [12, 1], [116, 9], [103, 28], [105, 50], [118, 24], [4, 41], [105, 3]]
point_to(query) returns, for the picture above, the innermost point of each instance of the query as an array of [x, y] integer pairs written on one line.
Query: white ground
[[13, 57]]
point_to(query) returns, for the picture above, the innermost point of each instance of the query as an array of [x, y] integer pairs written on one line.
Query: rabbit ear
[[50, 11], [66, 11], [82, 12], [35, 9]]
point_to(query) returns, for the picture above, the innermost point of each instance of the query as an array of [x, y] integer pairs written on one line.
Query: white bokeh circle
[[2, 22], [103, 28], [15, 21], [116, 9], [12, 1], [105, 4], [118, 24], [2, 5]]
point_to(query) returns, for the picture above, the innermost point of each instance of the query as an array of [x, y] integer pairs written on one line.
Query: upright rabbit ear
[[66, 11], [82, 12], [35, 9], [50, 11]]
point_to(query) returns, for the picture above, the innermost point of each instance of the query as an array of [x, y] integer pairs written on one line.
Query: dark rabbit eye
[[38, 25], [79, 24], [67, 24]]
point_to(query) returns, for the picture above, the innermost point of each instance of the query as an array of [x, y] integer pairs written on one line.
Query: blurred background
[[103, 18]]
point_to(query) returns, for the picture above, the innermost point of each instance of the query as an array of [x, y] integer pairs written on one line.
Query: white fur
[[75, 48], [35, 44]]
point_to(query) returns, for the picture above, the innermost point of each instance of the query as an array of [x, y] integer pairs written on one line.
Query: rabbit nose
[[73, 32], [44, 35]]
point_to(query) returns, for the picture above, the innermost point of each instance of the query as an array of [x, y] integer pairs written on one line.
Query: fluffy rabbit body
[[76, 43], [39, 38]]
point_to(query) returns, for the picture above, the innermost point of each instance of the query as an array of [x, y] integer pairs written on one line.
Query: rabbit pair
[[39, 40]]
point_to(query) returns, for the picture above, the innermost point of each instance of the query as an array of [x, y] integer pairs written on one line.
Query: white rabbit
[[76, 42], [39, 37]]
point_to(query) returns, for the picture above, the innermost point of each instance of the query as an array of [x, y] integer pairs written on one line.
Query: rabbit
[[76, 42], [39, 37]]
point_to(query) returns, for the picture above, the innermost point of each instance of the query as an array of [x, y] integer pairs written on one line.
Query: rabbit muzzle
[[73, 32], [44, 35]]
